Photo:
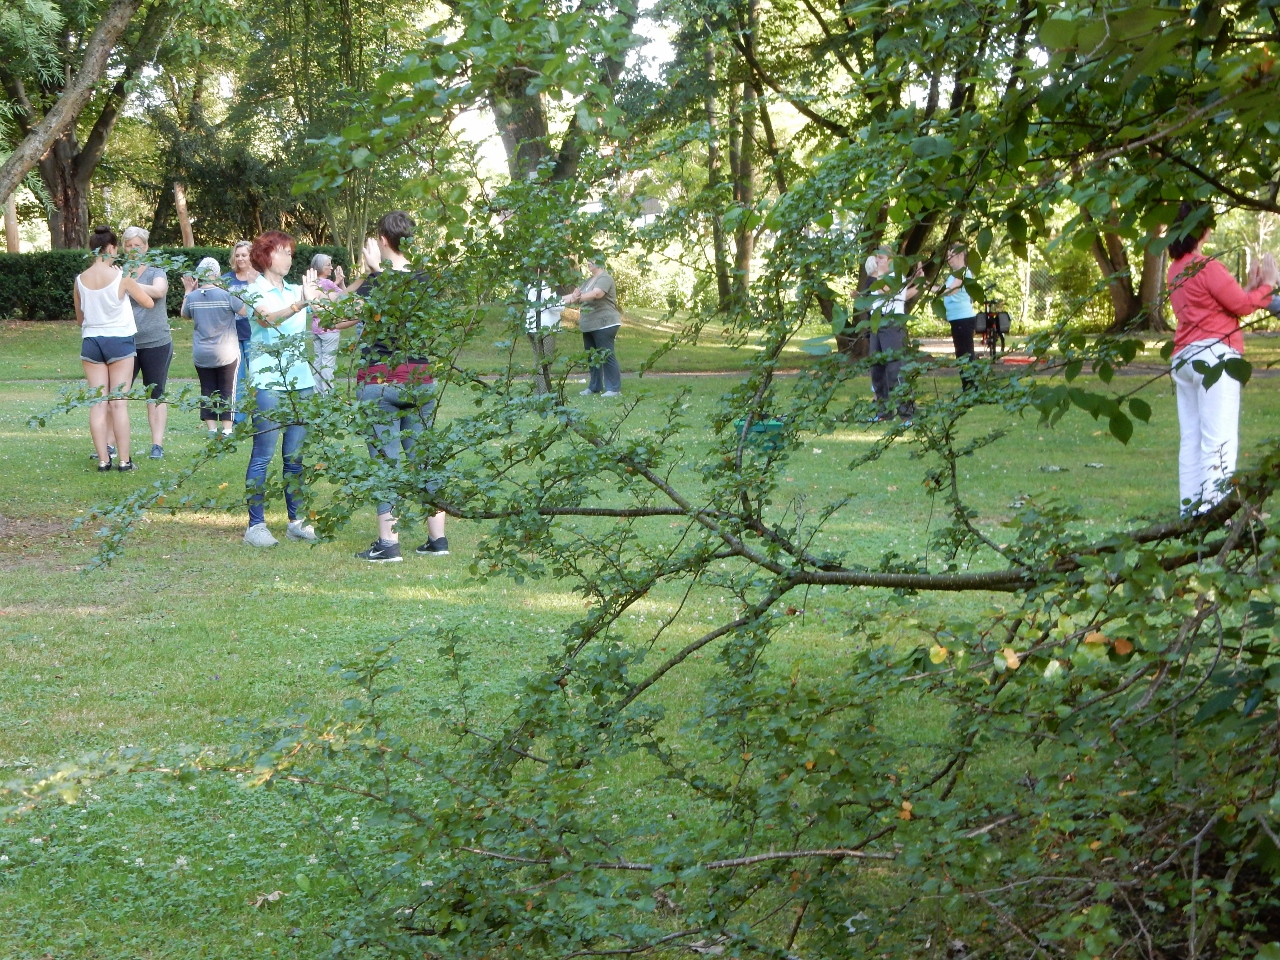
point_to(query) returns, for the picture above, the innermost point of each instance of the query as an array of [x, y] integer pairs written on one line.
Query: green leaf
[[839, 318], [1140, 409], [1121, 427], [1239, 369], [984, 240], [1166, 350], [498, 29], [303, 882], [1220, 702], [1059, 34], [1138, 21], [816, 346], [1269, 951]]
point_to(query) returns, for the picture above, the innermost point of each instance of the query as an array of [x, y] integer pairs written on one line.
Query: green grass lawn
[[192, 631]]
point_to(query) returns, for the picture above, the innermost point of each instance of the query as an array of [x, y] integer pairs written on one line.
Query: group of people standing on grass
[[251, 329], [1206, 300], [887, 297]]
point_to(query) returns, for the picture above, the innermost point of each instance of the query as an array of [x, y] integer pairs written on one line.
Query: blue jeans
[[607, 377], [265, 430], [404, 414], [242, 381]]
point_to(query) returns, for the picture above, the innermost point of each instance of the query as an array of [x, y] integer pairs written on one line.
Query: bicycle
[[993, 325]]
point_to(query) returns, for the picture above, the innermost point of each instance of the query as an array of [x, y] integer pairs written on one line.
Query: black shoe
[[125, 466], [157, 452], [435, 548], [381, 552], [111, 453], [104, 467]]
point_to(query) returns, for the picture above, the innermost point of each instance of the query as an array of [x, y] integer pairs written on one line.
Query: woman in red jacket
[[1208, 304]]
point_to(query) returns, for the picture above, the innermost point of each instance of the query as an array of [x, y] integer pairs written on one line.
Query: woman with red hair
[[278, 371]]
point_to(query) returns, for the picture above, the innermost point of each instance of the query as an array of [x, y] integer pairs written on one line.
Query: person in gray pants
[[890, 335]]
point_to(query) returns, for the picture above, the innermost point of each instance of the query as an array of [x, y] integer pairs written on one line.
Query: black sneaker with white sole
[[435, 548], [126, 466], [381, 552]]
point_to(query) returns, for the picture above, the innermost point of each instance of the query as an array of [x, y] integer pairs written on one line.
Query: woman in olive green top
[[599, 324]]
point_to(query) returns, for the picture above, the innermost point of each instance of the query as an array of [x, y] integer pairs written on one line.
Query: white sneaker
[[297, 530], [259, 535], [612, 393], [586, 393]]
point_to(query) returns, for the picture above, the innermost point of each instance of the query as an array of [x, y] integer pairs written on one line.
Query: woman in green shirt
[[599, 323]]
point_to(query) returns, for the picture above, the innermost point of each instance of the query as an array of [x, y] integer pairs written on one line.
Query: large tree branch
[[75, 96], [1241, 198], [834, 854], [157, 23]]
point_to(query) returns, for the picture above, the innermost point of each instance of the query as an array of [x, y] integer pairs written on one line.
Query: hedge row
[[38, 286]]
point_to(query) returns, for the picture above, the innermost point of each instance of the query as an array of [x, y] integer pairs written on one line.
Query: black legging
[[153, 365], [962, 340], [219, 385]]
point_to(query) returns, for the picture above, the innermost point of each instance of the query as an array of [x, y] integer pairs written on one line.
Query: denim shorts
[[107, 349]]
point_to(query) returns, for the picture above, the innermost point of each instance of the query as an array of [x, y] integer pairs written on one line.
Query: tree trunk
[[162, 215], [62, 116], [69, 209], [1151, 288], [184, 219], [719, 246], [744, 189], [1113, 260], [12, 242], [522, 121]]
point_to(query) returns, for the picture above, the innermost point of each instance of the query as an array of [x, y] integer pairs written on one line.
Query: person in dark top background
[[398, 382]]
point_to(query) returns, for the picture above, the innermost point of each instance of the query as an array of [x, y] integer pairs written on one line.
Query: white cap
[[208, 269]]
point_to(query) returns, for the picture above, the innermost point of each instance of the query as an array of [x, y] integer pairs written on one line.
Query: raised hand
[[1268, 271], [372, 256], [310, 289], [339, 277], [189, 283]]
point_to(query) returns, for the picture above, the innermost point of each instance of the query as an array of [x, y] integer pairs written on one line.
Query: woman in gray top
[[215, 348], [599, 323], [154, 339]]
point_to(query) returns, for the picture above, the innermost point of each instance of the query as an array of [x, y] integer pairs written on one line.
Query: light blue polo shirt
[[959, 304], [264, 368]]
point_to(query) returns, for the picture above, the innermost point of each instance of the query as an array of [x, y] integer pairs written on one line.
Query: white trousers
[[1209, 422], [326, 358]]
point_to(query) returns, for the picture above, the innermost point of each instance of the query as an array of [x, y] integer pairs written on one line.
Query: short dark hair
[[1194, 220], [396, 226], [265, 245], [102, 237]]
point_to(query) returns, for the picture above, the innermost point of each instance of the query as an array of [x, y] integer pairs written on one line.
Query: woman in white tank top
[[107, 349]]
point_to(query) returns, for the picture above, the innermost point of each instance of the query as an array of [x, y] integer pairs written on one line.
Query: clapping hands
[[339, 277]]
